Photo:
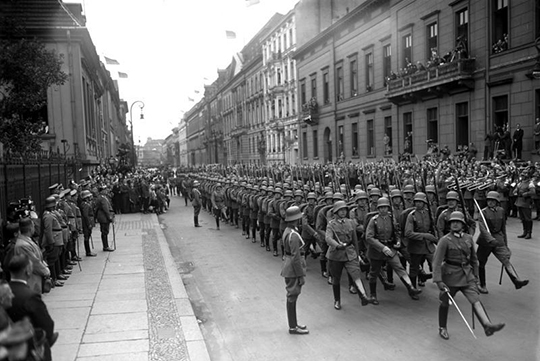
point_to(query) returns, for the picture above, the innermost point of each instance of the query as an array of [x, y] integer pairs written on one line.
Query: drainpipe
[[72, 86]]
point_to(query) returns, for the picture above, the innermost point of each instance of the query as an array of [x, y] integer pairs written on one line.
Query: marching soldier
[[275, 219], [218, 199], [309, 234], [421, 240], [455, 268], [443, 221], [382, 236], [494, 240], [321, 223], [343, 253]]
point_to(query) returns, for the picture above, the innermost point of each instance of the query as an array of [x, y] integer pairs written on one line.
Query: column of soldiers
[[382, 232]]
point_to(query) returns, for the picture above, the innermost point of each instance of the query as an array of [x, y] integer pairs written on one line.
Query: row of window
[[285, 41], [372, 139]]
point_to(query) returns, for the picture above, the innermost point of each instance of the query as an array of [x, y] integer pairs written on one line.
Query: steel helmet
[[311, 195], [375, 192], [288, 193], [395, 193], [278, 190], [339, 205], [430, 189], [86, 194], [298, 192], [360, 195], [328, 195], [452, 195], [292, 214], [493, 195], [409, 188], [457, 216], [338, 196], [383, 202], [421, 197]]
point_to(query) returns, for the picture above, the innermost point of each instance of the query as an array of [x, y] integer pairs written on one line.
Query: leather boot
[[482, 278], [443, 317], [413, 291], [291, 314], [196, 221], [529, 230], [324, 272], [373, 293], [361, 292], [387, 285], [514, 277], [480, 312], [337, 297], [524, 223]]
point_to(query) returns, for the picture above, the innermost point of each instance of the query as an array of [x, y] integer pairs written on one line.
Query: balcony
[[448, 78], [310, 112], [276, 88]]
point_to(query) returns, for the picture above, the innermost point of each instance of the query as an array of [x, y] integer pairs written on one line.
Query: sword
[[92, 240], [460, 313]]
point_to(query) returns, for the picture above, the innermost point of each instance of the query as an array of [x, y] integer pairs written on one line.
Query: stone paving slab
[[130, 304]]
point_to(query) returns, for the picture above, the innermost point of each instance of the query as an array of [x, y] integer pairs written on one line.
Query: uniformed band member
[[294, 267], [494, 240], [196, 202], [455, 268], [343, 252]]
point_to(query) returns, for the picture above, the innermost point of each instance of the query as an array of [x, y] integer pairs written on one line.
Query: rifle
[[434, 229], [462, 200]]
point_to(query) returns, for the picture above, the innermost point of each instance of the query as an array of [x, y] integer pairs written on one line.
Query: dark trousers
[[51, 257], [104, 227], [87, 235]]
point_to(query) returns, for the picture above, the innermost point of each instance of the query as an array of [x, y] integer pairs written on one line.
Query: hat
[[457, 216], [420, 197], [17, 333], [338, 196], [292, 214], [86, 194], [73, 192], [452, 195], [288, 193], [409, 188], [493, 195], [339, 205], [375, 192], [311, 195], [395, 193], [360, 194], [383, 202], [50, 202], [430, 189]]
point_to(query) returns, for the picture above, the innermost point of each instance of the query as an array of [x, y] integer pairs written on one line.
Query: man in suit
[[104, 215], [517, 140], [26, 246], [27, 303]]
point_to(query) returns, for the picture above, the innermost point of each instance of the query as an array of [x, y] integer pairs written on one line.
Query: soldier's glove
[[442, 286], [387, 251], [430, 238], [341, 245]]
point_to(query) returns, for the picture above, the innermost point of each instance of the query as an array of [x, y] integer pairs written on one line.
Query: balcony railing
[[449, 75]]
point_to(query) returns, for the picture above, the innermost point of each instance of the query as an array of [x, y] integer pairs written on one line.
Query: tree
[[27, 70]]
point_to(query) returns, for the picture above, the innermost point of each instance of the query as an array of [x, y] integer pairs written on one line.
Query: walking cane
[[91, 241], [500, 278], [461, 314], [78, 252], [114, 236]]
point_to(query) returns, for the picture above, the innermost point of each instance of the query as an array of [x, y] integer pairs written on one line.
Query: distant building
[[151, 153], [85, 116]]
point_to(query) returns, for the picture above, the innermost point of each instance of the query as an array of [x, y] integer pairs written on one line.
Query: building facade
[[383, 78], [85, 117], [280, 92]]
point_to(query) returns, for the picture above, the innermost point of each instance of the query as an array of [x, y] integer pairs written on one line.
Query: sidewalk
[[130, 304]]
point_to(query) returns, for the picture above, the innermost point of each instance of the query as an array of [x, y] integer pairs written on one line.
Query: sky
[[168, 47]]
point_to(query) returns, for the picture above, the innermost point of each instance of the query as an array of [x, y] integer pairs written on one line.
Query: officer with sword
[[455, 268]]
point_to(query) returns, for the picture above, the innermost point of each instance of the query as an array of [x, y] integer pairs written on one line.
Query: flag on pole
[[197, 92], [122, 75], [230, 34], [191, 100], [111, 61], [252, 2]]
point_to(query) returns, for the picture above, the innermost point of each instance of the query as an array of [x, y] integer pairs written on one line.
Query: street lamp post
[[133, 156]]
